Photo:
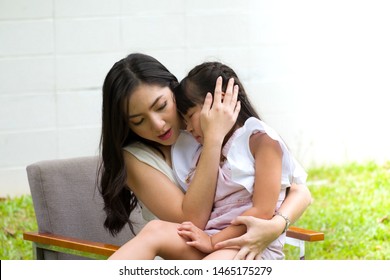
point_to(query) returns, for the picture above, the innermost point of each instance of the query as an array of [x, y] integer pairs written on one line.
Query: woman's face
[[153, 115]]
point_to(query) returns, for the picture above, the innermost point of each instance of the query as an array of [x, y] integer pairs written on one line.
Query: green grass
[[16, 216], [351, 206]]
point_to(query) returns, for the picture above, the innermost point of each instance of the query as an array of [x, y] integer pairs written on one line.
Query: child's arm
[[268, 166], [214, 114], [268, 172]]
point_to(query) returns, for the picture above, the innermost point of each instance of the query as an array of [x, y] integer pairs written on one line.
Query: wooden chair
[[69, 212]]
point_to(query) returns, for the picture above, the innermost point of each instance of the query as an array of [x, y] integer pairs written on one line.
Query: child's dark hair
[[201, 80]]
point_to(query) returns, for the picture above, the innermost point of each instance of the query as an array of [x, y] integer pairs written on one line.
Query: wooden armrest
[[305, 234], [103, 249], [97, 248]]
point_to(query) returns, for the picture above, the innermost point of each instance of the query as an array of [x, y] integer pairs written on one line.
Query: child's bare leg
[[157, 238], [223, 254]]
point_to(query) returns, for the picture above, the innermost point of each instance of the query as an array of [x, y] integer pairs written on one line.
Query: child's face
[[192, 120]]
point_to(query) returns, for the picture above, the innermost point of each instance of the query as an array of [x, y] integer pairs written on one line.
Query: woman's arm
[[260, 232], [296, 202]]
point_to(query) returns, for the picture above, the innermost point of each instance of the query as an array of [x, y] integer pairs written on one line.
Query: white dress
[[236, 177]]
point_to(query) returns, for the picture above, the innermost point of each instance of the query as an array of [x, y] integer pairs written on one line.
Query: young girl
[[255, 171]]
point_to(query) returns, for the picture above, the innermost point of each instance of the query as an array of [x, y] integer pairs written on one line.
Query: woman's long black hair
[[121, 81], [201, 80]]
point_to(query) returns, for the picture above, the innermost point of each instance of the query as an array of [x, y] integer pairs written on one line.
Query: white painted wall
[[318, 71]]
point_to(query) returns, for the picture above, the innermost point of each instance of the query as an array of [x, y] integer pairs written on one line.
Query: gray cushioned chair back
[[67, 202]]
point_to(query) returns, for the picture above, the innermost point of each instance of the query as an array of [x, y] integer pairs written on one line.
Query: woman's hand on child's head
[[218, 116], [195, 237]]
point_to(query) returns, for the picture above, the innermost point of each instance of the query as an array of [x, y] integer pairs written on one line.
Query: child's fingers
[[229, 91], [207, 103], [188, 235], [218, 91], [186, 239], [192, 243], [234, 98], [187, 226]]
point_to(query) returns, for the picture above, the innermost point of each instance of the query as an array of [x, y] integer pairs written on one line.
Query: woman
[[140, 124]]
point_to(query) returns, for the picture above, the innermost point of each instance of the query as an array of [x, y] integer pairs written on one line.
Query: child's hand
[[219, 116], [195, 237]]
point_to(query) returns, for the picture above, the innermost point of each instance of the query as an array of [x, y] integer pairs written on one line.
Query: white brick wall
[[26, 9], [26, 74], [27, 112], [87, 8], [20, 37], [317, 72]]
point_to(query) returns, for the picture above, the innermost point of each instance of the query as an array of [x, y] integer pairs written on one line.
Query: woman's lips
[[166, 135]]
